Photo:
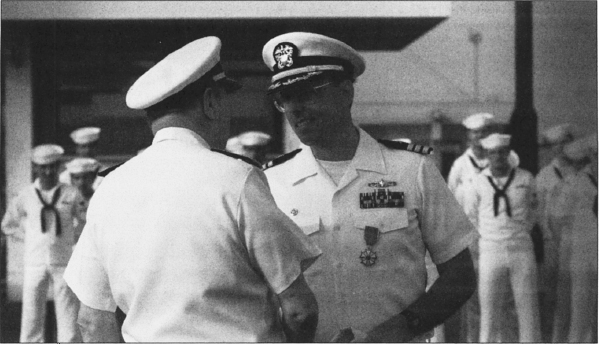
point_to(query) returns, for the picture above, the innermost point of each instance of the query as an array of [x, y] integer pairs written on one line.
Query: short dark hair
[[181, 100]]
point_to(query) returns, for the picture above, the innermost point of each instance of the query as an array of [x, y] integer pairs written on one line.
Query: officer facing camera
[[373, 207], [185, 240]]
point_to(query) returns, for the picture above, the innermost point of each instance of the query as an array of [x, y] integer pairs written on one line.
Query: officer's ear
[[347, 87], [210, 102]]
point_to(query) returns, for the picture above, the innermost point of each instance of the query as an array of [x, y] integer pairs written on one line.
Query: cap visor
[[296, 81]]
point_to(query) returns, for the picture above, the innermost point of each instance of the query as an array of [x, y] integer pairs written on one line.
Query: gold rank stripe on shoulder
[[426, 150], [280, 159]]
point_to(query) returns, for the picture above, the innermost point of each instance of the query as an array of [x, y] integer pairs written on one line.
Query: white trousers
[[514, 261], [33, 316], [583, 267]]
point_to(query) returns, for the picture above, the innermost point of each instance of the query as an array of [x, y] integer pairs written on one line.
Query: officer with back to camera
[[187, 241], [374, 208]]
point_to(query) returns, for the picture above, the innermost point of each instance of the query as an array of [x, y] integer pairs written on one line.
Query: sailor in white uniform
[[548, 185], [572, 213], [501, 203], [45, 215], [85, 140]]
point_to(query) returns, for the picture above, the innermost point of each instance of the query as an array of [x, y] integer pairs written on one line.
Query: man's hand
[[97, 325], [344, 336], [300, 311], [456, 283], [349, 335], [394, 330]]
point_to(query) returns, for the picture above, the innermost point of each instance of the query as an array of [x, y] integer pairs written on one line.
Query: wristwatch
[[413, 321]]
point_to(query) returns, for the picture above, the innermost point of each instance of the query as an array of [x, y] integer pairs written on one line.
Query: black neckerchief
[[50, 207], [557, 171], [501, 193], [594, 181], [475, 164]]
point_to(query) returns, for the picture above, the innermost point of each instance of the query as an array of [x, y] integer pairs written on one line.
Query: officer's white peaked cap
[[558, 133], [478, 120], [82, 165], [495, 141], [85, 135], [46, 154], [299, 56], [200, 58]]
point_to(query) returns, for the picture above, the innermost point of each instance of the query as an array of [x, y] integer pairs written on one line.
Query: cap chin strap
[[307, 69]]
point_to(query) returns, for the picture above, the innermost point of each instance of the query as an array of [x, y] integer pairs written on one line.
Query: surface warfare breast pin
[[382, 184]]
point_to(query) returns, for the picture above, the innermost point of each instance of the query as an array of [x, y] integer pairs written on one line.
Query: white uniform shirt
[[546, 182], [580, 196], [349, 293], [462, 171], [574, 202], [465, 168], [480, 206], [189, 244], [23, 221]]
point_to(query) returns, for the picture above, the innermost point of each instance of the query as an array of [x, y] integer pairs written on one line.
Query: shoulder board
[[410, 147], [238, 157], [281, 159], [105, 172]]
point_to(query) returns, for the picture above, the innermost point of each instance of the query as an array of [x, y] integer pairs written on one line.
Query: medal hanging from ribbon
[[371, 236]]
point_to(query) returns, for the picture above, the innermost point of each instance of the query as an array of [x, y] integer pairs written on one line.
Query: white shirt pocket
[[385, 219], [309, 223]]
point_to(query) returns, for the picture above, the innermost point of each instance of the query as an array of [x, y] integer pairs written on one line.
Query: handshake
[[349, 335]]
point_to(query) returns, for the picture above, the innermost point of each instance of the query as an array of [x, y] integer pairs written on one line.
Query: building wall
[[436, 73], [437, 70], [565, 63]]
